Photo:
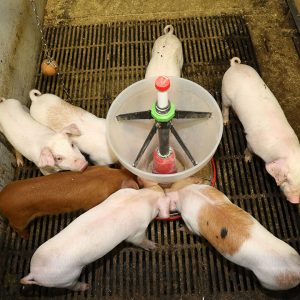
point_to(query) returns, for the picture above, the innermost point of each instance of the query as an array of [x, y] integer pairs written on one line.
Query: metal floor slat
[[97, 63]]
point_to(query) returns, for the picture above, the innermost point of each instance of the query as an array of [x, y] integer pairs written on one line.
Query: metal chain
[[46, 50], [40, 28]]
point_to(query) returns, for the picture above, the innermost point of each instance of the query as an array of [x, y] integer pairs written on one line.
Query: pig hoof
[[247, 155], [20, 162], [184, 229], [248, 158], [80, 286], [24, 235], [148, 245], [19, 158]]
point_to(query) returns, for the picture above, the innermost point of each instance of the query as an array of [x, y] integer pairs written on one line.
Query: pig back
[[56, 113], [258, 110], [62, 192], [249, 96]]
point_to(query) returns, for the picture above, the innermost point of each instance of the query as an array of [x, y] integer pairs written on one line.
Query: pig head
[[286, 172], [49, 150], [60, 153], [55, 113]]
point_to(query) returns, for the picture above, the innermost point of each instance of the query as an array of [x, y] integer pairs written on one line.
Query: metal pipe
[[163, 138]]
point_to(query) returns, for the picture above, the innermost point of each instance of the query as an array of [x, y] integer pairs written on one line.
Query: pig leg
[[19, 159], [248, 154], [147, 244], [19, 222], [225, 109], [46, 171], [79, 286], [184, 229], [28, 280], [20, 229], [140, 240], [24, 234]]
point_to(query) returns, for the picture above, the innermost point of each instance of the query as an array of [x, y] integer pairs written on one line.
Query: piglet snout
[[293, 199], [81, 164]]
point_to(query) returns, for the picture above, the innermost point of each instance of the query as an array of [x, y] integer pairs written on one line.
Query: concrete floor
[[270, 25]]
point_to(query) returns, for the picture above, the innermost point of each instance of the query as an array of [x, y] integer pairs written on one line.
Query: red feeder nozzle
[[164, 165], [162, 83]]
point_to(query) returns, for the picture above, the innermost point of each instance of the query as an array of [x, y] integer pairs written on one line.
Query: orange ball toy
[[49, 67]]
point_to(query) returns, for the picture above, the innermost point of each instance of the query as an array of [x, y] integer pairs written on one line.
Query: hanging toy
[[49, 67]]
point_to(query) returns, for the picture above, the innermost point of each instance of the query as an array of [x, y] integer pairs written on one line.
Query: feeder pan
[[201, 136]]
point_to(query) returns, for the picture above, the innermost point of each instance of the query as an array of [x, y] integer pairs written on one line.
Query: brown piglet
[[23, 200]]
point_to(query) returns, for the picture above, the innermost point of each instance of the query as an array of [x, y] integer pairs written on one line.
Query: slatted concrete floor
[[97, 63]]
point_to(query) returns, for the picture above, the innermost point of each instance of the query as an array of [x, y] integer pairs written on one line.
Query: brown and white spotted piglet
[[236, 234]]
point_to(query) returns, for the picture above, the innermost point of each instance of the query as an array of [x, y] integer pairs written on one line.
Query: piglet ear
[[278, 169], [146, 183], [129, 183], [71, 129], [46, 158]]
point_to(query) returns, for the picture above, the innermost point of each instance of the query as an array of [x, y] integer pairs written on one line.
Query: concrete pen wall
[[19, 48]]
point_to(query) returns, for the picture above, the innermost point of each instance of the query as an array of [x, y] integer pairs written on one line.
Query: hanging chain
[[49, 58]]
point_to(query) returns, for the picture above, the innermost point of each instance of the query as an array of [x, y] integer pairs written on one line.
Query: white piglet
[[268, 133], [236, 234], [167, 57], [125, 215], [50, 151], [52, 111]]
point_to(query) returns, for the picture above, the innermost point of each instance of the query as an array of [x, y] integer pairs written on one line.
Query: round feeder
[[193, 138]]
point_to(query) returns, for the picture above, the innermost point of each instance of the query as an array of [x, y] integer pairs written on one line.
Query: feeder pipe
[[163, 139], [162, 84]]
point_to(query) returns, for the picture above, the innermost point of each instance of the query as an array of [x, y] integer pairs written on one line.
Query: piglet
[[268, 133], [55, 113], [125, 215], [167, 57], [50, 151], [23, 200], [236, 234]]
